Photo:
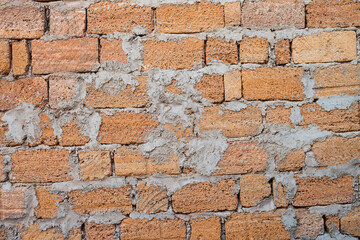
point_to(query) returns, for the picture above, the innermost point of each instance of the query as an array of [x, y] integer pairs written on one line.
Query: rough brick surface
[[151, 199], [129, 162], [12, 203], [47, 202], [99, 231], [112, 50], [34, 232], [332, 224], [218, 49], [232, 13], [20, 58], [279, 115], [5, 62], [282, 52], [47, 132], [350, 223], [310, 225], [62, 91], [253, 189], [211, 87], [280, 195], [253, 50], [293, 161], [68, 23], [232, 85], [202, 228], [94, 165], [170, 166], [72, 135]]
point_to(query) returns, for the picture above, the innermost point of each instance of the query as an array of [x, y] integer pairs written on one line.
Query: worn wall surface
[[179, 119]]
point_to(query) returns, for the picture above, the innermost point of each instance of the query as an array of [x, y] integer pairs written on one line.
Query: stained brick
[[112, 50], [310, 225], [233, 85], [12, 203], [280, 195], [218, 49], [20, 58], [47, 202], [5, 62], [151, 199], [68, 23], [202, 228], [279, 115], [129, 162], [99, 231], [293, 161], [350, 223], [33, 232], [282, 52], [211, 87], [94, 165], [232, 13], [62, 91], [253, 189], [47, 132], [167, 165], [253, 50], [72, 135], [332, 224]]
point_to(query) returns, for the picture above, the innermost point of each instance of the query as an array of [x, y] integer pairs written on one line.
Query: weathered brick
[[253, 50], [202, 228], [263, 225], [218, 49], [72, 135], [62, 91], [337, 80], [310, 225], [73, 55], [125, 127], [47, 132], [279, 115], [33, 232], [102, 200], [332, 224], [47, 202], [20, 58], [323, 191], [293, 161], [282, 52], [179, 131], [274, 14], [25, 90], [108, 96], [107, 17], [40, 166], [175, 55], [99, 231], [172, 88], [3, 176], [211, 87], [168, 165], [129, 162], [94, 165], [350, 223], [323, 14], [338, 46], [5, 62], [337, 120], [233, 86], [189, 18], [12, 203], [68, 23], [205, 197], [273, 84], [111, 50], [22, 22], [4, 233], [232, 13], [280, 195], [151, 199], [245, 122], [153, 229], [253, 189]]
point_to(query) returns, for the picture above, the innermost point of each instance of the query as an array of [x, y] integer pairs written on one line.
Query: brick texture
[[5, 62], [99, 231], [62, 90], [202, 228], [47, 202], [253, 189], [293, 161], [72, 135], [211, 87], [232, 13], [253, 50], [94, 165], [350, 223], [310, 225], [68, 23], [279, 115], [20, 58], [129, 162], [151, 199], [12, 203], [282, 52], [233, 85], [112, 50], [218, 49]]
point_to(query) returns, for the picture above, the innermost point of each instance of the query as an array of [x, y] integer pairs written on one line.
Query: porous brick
[[253, 189], [47, 132], [279, 115], [202, 228], [94, 165], [232, 85], [68, 23], [280, 195], [211, 87], [293, 161], [282, 52], [33, 232], [99, 231], [47, 202], [310, 225], [112, 50], [20, 58], [129, 162], [151, 199], [12, 203], [72, 135], [218, 49], [5, 62], [253, 50], [167, 165], [349, 224], [332, 224], [232, 11], [62, 91]]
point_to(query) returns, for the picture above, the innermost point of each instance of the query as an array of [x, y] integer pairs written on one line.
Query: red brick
[[5, 62], [282, 52], [47, 202], [218, 49], [12, 203], [20, 58], [72, 135], [233, 85], [293, 161], [94, 165], [202, 228], [111, 50], [253, 50], [211, 87], [232, 13], [99, 231], [279, 115], [189, 18], [129, 162], [68, 23], [33, 232], [310, 225], [73, 55], [151, 199], [62, 91], [47, 132], [253, 189], [350, 223]]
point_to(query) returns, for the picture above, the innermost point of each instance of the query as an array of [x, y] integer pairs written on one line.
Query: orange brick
[[280, 195], [168, 166], [20, 22], [152, 229], [40, 166], [332, 224], [253, 189], [68, 23], [211, 87], [338, 46], [5, 62], [73, 55], [111, 50], [186, 53], [102, 200], [47, 202], [4, 233], [310, 225], [263, 225], [12, 203], [62, 91], [282, 52], [125, 128], [173, 89], [99, 231], [33, 232], [279, 115], [3, 176], [218, 49], [189, 18], [273, 84], [242, 157], [151, 199], [232, 13], [205, 197], [233, 86], [103, 98], [179, 131], [20, 58], [253, 50], [47, 132], [350, 223], [323, 14], [107, 17], [293, 161], [202, 228], [94, 165], [234, 124], [323, 191], [72, 135], [129, 162], [25, 90]]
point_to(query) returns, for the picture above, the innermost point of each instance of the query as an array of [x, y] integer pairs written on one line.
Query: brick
[[153, 229], [47, 132], [274, 14], [263, 225], [172, 88], [129, 162], [350, 223], [112, 50], [273, 84], [279, 115], [293, 161], [232, 12], [108, 96], [337, 80], [253, 189], [68, 23], [323, 14], [245, 122], [205, 197], [218, 49], [338, 46], [282, 52], [5, 62], [233, 86], [202, 228], [167, 165], [94, 165], [40, 166], [3, 130], [125, 127], [20, 58], [3, 175], [280, 195], [189, 18], [323, 191], [173, 55], [310, 225], [12, 203], [336, 151], [22, 22], [332, 224], [102, 200], [47, 202], [179, 131], [25, 90], [72, 135], [62, 91], [33, 232], [151, 199], [211, 87], [4, 233], [337, 120], [253, 50], [99, 231], [107, 17], [73, 55]]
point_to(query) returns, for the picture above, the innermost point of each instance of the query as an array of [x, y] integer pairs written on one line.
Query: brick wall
[[179, 119]]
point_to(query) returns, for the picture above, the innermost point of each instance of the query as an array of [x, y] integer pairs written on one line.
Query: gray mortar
[[337, 102]]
